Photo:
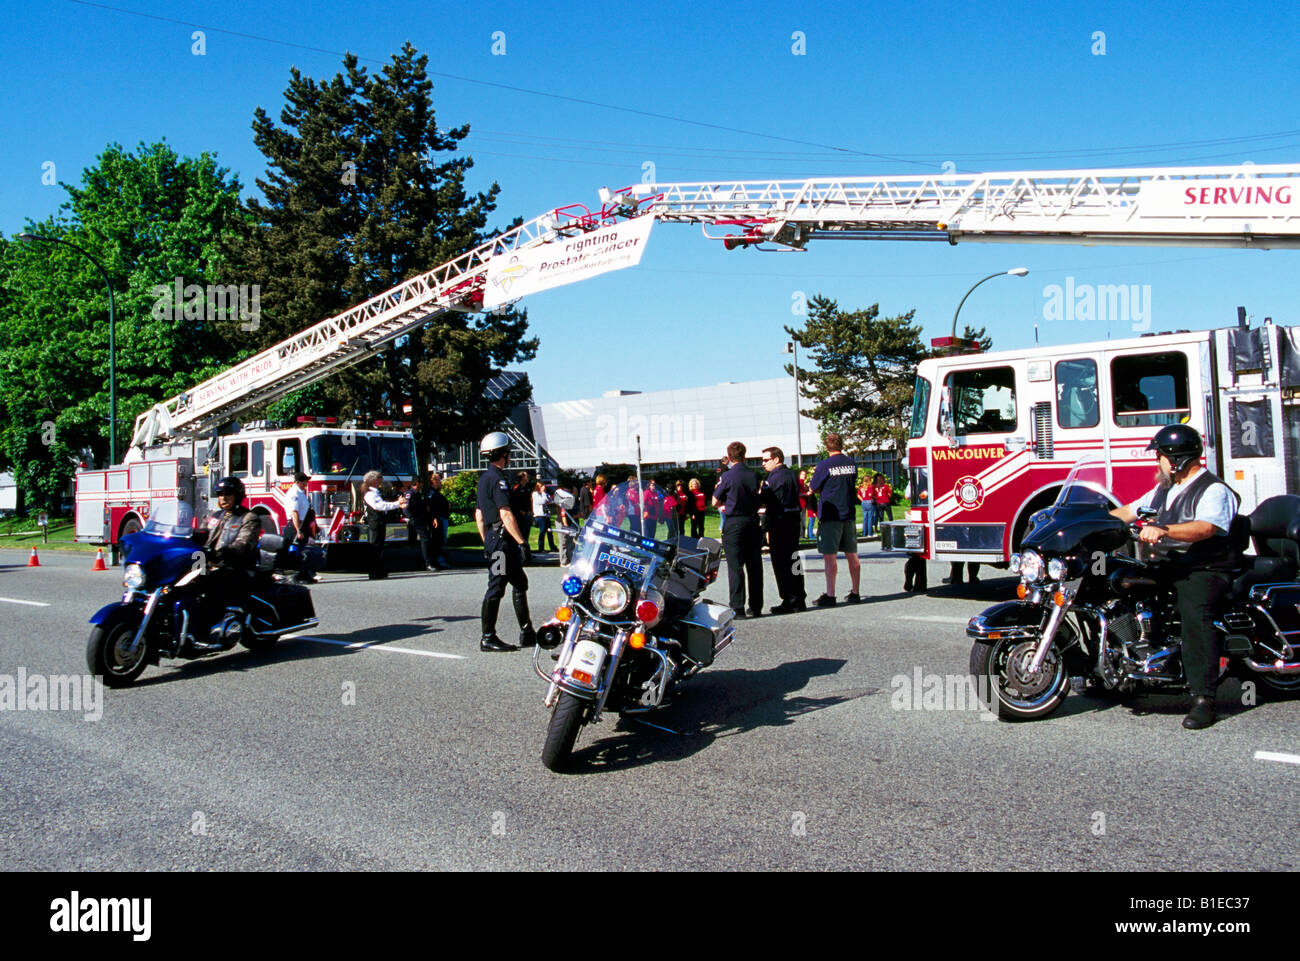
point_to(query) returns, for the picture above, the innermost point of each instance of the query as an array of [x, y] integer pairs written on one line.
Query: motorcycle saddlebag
[[704, 627], [293, 602], [1282, 601]]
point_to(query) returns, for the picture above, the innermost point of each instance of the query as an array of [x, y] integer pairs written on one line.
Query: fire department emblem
[[969, 493]]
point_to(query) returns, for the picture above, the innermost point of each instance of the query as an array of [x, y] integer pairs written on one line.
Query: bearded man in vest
[[1194, 511]]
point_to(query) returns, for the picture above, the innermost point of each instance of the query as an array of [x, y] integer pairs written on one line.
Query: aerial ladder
[[1245, 206]]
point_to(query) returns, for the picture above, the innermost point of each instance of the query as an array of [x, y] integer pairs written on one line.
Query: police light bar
[[398, 424], [304, 419]]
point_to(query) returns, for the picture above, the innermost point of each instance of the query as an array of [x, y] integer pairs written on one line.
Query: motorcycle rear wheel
[[562, 731], [1279, 685], [1006, 687], [107, 657]]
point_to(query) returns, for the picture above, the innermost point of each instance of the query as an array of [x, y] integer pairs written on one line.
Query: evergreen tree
[[864, 374], [358, 198]]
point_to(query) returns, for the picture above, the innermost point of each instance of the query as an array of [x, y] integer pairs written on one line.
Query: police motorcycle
[[1095, 616], [632, 626], [161, 614]]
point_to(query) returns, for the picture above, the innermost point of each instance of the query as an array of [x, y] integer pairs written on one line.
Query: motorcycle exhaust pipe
[[1292, 668]]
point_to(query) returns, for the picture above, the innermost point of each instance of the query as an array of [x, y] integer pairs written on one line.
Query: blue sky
[[881, 89]]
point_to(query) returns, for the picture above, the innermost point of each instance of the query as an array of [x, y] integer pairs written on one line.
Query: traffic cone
[[99, 564], [33, 561]]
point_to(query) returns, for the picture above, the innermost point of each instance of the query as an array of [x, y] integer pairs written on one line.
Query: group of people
[[784, 500], [428, 517]]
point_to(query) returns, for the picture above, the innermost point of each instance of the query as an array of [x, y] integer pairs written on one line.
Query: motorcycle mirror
[[1146, 513]]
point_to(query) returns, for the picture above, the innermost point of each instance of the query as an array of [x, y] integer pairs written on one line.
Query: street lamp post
[[112, 347], [792, 347], [1013, 272]]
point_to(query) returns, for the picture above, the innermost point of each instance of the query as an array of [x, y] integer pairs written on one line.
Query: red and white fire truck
[[117, 501], [994, 435]]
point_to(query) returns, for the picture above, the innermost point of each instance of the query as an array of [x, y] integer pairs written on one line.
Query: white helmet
[[493, 444]]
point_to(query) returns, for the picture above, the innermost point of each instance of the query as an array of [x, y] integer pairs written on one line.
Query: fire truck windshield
[[328, 454]]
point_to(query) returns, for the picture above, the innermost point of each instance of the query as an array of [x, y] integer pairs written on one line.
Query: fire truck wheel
[[131, 525], [108, 653]]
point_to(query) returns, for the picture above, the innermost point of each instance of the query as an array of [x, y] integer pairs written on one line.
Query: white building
[[688, 427]]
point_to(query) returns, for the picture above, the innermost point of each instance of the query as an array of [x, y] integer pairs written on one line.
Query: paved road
[[387, 741]]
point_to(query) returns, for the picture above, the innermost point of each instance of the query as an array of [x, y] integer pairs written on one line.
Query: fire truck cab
[[993, 435], [117, 501]]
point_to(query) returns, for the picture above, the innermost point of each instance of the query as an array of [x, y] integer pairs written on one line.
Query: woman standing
[[698, 505], [866, 494], [376, 520], [683, 510], [540, 520], [884, 498]]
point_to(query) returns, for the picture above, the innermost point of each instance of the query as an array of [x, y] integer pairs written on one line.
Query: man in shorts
[[834, 482]]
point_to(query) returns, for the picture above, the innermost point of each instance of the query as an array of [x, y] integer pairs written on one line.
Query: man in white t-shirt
[[297, 532], [1194, 512]]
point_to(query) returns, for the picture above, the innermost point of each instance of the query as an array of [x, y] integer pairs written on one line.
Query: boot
[[488, 616], [491, 642], [1202, 714], [527, 636]]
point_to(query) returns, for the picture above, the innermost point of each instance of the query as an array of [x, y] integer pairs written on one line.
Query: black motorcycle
[[632, 626], [1095, 615], [165, 613]]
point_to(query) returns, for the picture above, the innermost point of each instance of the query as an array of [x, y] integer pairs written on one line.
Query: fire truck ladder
[[1130, 206], [340, 342]]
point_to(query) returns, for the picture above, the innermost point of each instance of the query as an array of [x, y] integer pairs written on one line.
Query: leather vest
[[1213, 553]]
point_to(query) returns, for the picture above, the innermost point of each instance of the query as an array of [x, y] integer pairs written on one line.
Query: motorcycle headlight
[[133, 577], [1031, 566], [1015, 563], [1056, 569], [608, 595]]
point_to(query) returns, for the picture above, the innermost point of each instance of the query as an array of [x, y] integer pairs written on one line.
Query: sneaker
[[853, 599], [825, 601]]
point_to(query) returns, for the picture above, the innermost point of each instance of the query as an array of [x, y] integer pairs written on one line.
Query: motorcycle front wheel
[[108, 653], [562, 732], [1006, 685]]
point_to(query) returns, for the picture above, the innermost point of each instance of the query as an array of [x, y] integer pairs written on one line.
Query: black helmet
[[1180, 443], [232, 486]]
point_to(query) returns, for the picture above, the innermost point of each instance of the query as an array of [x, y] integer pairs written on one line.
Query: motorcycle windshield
[[171, 519], [613, 539], [1086, 485]]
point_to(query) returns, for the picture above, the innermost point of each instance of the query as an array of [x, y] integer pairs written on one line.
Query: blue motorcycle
[[176, 605]]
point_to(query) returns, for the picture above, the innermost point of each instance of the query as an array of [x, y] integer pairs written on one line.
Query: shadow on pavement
[[712, 705]]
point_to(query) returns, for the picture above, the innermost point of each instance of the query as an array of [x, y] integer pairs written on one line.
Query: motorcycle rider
[[503, 546], [1194, 511], [230, 553]]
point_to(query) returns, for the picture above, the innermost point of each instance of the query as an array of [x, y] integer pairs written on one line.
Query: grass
[[23, 533]]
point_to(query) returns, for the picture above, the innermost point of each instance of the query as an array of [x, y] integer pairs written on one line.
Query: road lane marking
[[14, 600], [372, 646], [1276, 756], [933, 619]]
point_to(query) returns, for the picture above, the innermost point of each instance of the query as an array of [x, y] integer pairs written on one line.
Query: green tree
[[865, 368], [151, 218], [362, 192]]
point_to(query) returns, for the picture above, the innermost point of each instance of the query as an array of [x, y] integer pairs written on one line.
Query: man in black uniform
[[1194, 511], [503, 546], [737, 495], [780, 495]]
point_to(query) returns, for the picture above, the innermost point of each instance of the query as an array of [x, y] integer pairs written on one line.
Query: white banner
[[1272, 197], [563, 261]]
